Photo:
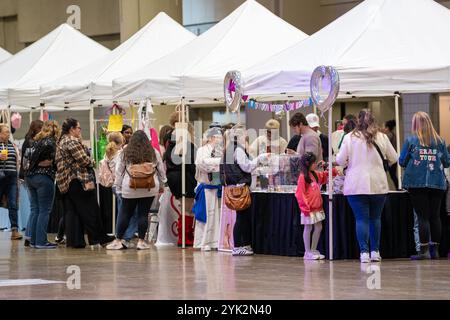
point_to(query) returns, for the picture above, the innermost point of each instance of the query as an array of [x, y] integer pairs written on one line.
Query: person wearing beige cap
[[314, 123], [271, 142]]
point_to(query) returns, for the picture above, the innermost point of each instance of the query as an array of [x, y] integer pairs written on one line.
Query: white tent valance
[[249, 34]]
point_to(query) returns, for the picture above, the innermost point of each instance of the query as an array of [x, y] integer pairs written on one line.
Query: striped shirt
[[11, 163]]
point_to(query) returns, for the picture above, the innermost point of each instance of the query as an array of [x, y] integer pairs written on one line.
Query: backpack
[[105, 175], [142, 176]]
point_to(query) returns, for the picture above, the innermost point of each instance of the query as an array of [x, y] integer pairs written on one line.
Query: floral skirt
[[313, 218]]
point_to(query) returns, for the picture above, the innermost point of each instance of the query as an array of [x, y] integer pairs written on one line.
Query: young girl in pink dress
[[310, 202]]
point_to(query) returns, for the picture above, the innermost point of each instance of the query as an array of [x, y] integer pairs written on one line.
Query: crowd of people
[[136, 169]]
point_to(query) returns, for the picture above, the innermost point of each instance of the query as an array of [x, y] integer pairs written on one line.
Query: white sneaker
[[238, 251], [142, 245], [249, 250], [311, 256], [242, 251], [206, 248], [375, 256], [116, 245], [365, 258], [321, 256]]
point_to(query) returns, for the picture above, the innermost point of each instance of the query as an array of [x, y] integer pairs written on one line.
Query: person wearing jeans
[[363, 152], [35, 128], [42, 190], [367, 210], [40, 178], [138, 154], [9, 166], [134, 221], [424, 156]]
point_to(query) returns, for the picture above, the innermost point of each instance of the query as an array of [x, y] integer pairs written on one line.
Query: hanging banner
[[274, 107]]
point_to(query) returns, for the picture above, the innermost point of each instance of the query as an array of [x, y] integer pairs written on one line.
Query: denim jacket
[[424, 166]]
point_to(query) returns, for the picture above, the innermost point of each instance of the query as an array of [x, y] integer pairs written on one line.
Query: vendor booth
[[193, 74], [380, 48]]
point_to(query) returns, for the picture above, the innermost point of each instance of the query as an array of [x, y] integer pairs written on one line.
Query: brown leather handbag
[[142, 176], [237, 198]]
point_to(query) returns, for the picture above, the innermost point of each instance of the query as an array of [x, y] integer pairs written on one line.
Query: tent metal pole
[[31, 117], [91, 125], [288, 128], [183, 174], [330, 186], [42, 113], [113, 214], [8, 114], [397, 132]]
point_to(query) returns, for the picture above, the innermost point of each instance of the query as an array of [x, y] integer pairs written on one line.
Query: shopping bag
[[115, 120]]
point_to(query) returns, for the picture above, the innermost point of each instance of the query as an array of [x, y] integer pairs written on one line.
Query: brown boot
[[16, 235]]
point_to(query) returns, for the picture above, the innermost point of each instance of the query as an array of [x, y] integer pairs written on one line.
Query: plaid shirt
[[73, 162]]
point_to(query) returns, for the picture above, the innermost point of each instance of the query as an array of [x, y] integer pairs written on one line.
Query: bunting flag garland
[[278, 107]]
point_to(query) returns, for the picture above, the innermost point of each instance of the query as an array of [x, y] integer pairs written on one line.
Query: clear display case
[[278, 174]]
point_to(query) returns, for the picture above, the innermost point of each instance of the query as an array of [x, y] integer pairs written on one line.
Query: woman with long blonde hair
[[107, 169], [40, 179], [424, 157]]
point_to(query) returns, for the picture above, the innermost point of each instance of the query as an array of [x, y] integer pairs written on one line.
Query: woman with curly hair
[[40, 178], [138, 153]]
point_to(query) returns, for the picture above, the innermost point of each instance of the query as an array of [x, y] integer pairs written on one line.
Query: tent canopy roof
[[159, 37], [249, 34], [379, 47], [58, 53]]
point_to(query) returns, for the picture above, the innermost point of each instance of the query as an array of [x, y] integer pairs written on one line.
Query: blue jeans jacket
[[424, 166]]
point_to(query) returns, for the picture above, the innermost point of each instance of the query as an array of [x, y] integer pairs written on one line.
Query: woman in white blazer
[[366, 185]]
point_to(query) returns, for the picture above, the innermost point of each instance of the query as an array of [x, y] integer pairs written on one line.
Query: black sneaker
[[27, 243], [48, 245]]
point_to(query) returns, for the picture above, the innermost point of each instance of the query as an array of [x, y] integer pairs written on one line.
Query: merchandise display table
[[277, 229]]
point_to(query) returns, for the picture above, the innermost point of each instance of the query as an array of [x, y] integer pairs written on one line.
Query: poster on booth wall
[[169, 211], [227, 221]]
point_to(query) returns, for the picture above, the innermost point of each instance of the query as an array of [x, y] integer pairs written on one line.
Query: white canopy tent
[[249, 34], [58, 53], [4, 55], [379, 47], [158, 38]]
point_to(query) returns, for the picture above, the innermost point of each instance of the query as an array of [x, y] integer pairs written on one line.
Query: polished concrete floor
[[171, 273]]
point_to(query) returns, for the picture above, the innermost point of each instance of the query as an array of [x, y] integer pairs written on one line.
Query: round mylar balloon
[[331, 76], [232, 88]]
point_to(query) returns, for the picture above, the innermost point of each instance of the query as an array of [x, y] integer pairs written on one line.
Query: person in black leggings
[[424, 157]]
